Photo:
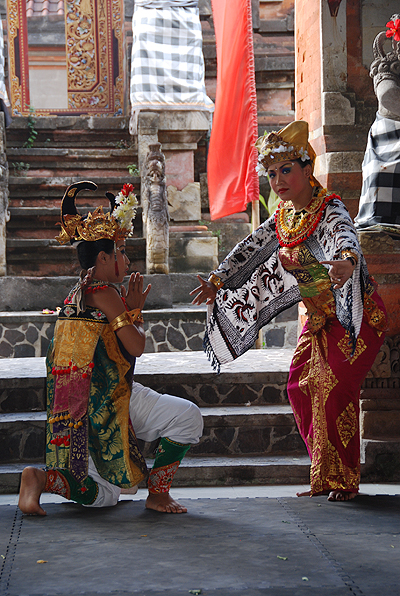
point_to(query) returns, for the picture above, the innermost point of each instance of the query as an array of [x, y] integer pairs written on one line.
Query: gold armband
[[351, 256], [136, 315], [122, 320], [214, 279]]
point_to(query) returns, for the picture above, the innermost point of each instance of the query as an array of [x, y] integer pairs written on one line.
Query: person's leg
[[107, 493], [94, 491], [179, 424], [35, 481]]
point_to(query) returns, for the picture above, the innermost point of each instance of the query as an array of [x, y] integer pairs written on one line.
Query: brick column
[[334, 93]]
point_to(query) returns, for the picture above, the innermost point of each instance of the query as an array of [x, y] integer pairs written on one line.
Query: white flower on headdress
[[280, 149], [126, 204], [303, 154], [260, 169]]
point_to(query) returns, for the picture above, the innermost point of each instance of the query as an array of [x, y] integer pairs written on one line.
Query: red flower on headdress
[[394, 29], [127, 189]]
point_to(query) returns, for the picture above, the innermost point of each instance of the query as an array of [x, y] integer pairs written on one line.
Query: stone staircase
[[66, 150], [250, 436]]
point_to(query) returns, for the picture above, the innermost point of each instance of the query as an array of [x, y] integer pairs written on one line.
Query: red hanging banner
[[232, 157]]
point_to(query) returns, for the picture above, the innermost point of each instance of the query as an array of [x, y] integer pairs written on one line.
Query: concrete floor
[[233, 541]]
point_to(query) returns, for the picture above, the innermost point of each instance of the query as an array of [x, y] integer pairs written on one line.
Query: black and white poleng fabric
[[167, 69], [380, 194]]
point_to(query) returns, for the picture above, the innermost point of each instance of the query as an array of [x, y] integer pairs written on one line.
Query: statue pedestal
[[380, 394], [192, 250], [382, 253]]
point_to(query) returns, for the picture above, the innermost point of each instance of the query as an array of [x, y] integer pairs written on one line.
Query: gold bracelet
[[122, 320], [136, 315], [214, 279], [351, 256]]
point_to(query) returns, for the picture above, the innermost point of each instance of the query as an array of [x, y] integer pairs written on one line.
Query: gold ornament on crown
[[99, 225], [272, 149]]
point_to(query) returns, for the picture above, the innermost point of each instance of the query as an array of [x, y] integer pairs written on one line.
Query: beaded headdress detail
[[289, 143], [113, 225]]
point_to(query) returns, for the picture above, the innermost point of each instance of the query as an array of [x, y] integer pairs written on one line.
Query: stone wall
[[181, 329]]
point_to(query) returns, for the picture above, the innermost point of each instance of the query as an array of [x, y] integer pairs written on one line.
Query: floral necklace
[[293, 227]]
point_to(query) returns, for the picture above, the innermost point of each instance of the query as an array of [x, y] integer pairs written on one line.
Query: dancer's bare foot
[[164, 503], [306, 494], [333, 495], [339, 495], [33, 482]]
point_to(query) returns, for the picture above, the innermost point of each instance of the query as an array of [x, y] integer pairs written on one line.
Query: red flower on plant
[[394, 29], [127, 189]]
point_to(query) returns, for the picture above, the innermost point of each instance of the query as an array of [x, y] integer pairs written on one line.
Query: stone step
[[59, 162], [46, 257], [41, 222], [233, 431], [27, 293], [258, 378], [249, 427], [72, 131], [217, 471], [47, 191]]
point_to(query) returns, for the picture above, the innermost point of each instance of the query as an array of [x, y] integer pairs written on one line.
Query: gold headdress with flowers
[[98, 225], [289, 143]]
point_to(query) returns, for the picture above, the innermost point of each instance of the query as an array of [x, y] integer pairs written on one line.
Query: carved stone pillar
[[380, 395], [155, 211], [4, 213]]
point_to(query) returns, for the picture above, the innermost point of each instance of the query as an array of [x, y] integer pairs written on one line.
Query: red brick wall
[[358, 79], [308, 62]]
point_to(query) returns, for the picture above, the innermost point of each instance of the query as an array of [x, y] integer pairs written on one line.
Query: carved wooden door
[[67, 59]]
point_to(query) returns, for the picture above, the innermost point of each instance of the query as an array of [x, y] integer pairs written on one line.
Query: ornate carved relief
[[94, 54], [385, 371], [18, 57], [92, 28]]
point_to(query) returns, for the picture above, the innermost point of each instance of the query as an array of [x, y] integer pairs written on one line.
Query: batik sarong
[[323, 390]]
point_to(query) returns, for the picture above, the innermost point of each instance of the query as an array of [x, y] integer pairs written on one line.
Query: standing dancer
[[308, 250]]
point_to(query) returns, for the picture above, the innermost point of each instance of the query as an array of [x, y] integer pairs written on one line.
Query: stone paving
[[222, 547]]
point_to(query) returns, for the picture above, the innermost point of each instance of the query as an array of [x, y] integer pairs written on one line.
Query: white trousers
[[153, 415]]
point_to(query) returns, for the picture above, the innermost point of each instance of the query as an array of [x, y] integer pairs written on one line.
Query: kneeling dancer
[[95, 411]]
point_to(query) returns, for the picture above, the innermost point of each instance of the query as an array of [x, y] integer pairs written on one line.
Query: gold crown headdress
[[98, 225], [289, 143]]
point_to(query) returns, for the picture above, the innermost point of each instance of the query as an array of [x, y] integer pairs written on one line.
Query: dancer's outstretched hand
[[339, 271], [206, 292]]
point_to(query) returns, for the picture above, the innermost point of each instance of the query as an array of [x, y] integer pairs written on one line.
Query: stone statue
[[155, 211], [380, 194]]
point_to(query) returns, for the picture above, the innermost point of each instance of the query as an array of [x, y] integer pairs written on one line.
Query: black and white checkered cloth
[[380, 194], [3, 90], [167, 59]]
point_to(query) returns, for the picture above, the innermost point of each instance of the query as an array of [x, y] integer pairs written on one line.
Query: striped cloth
[[167, 61], [380, 194]]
